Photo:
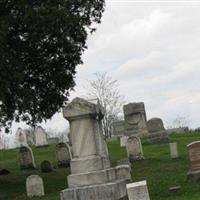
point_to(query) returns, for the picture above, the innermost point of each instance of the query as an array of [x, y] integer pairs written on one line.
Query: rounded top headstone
[[155, 124], [46, 166]]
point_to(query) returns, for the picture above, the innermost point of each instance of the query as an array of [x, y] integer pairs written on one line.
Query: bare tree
[[106, 90], [180, 121]]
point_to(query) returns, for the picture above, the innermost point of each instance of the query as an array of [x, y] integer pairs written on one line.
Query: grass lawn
[[160, 171]]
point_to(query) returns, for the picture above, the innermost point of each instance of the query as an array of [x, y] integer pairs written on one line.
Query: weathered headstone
[[157, 132], [25, 158], [92, 177], [46, 166], [118, 128], [135, 119], [138, 191], [173, 150], [194, 158], [53, 140], [134, 148], [63, 154], [123, 141], [21, 138], [40, 137], [34, 186]]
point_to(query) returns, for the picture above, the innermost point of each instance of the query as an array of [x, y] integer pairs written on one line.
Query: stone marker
[[135, 119], [46, 166], [63, 154], [21, 138], [25, 158], [138, 191], [173, 150], [157, 132], [92, 177], [53, 140], [134, 148], [123, 141], [40, 137], [34, 186], [118, 128], [194, 158]]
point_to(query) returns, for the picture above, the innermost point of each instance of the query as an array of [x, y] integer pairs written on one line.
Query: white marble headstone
[[34, 186], [21, 138], [40, 137], [138, 191]]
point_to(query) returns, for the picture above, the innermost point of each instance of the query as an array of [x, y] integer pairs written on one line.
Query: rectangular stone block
[[107, 191], [138, 191], [173, 150], [89, 164]]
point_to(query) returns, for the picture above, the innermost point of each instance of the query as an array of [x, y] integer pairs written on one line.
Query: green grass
[[160, 171]]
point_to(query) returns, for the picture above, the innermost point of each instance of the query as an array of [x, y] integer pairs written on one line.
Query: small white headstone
[[40, 137], [134, 148], [34, 186], [21, 138], [123, 141], [138, 191], [173, 150]]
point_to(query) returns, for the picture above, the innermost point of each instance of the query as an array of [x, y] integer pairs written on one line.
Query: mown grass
[[160, 171]]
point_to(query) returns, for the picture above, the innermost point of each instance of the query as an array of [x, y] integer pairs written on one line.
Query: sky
[[152, 48]]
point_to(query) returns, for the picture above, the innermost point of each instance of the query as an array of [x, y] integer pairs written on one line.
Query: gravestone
[[173, 150], [194, 158], [46, 166], [157, 132], [138, 191], [92, 177], [53, 140], [21, 138], [40, 137], [63, 154], [123, 141], [135, 119], [134, 148], [25, 158], [118, 128], [34, 186]]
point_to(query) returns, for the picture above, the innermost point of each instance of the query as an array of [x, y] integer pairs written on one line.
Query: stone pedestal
[[157, 132], [194, 158], [173, 150], [92, 177], [138, 191]]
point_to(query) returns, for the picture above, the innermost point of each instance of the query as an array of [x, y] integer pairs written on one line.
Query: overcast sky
[[153, 50]]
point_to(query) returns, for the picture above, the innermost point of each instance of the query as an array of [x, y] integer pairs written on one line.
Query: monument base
[[106, 191], [88, 164], [100, 176], [195, 175]]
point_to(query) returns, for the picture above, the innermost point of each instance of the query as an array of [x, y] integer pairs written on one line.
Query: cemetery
[[92, 168]]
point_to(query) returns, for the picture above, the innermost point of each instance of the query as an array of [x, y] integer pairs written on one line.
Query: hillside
[[160, 171]]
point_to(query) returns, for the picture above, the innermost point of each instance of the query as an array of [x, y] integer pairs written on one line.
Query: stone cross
[[134, 148], [25, 158], [173, 150], [138, 191], [40, 137], [34, 186]]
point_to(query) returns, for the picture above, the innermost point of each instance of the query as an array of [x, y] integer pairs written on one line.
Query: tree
[[41, 43], [180, 121], [104, 88]]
